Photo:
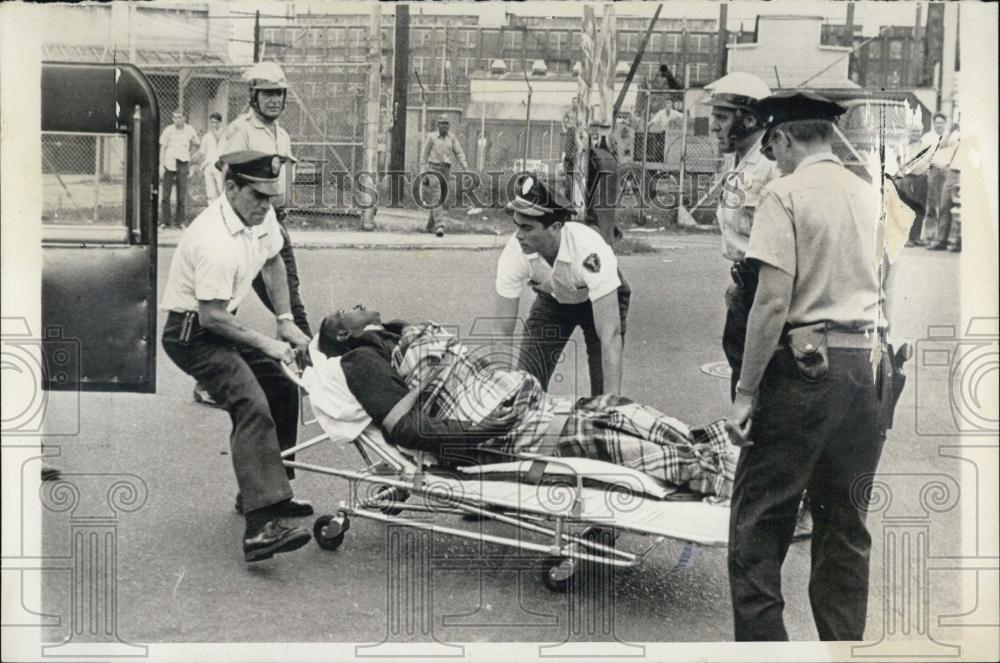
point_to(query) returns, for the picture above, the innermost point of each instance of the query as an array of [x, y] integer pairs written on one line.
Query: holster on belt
[[891, 380], [809, 348]]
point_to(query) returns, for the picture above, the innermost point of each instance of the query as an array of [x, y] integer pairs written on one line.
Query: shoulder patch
[[592, 263]]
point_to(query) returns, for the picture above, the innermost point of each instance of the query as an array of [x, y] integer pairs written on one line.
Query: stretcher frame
[[390, 478]]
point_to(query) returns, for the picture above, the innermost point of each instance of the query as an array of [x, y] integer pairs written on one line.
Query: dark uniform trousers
[[739, 301], [172, 178], [263, 405], [292, 274], [437, 191], [823, 436], [549, 327]]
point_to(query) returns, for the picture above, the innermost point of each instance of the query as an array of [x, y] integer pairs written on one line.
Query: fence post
[[642, 174], [372, 113], [684, 131]]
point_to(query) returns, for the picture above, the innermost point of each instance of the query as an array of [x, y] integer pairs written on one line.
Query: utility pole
[[723, 39], [256, 36], [400, 85], [849, 27], [370, 174]]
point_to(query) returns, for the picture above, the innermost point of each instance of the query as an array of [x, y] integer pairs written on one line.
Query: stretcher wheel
[[558, 572], [330, 530]]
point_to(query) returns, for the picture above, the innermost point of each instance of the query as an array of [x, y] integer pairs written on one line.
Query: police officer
[[258, 130], [441, 151], [226, 246], [738, 128], [806, 403], [575, 275]]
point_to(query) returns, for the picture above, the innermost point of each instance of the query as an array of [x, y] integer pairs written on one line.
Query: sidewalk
[[404, 230]]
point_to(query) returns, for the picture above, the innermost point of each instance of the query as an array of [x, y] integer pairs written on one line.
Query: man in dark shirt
[[365, 347]]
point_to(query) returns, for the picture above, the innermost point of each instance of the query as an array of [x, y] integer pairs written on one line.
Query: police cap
[[537, 200], [443, 118], [799, 105], [258, 169]]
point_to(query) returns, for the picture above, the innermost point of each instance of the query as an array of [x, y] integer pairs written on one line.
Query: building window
[[655, 43], [513, 40], [672, 43], [336, 37], [558, 42], [700, 43], [893, 79], [699, 73], [469, 38], [575, 38], [357, 38], [468, 65], [491, 41], [629, 42], [423, 37], [895, 50], [418, 66], [538, 40]]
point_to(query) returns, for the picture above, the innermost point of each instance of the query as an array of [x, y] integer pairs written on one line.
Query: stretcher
[[576, 507]]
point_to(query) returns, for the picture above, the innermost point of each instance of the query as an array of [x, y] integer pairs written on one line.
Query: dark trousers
[[437, 192], [739, 301], [947, 229], [920, 193], [935, 187], [549, 327], [262, 403], [170, 178], [292, 273], [823, 436]]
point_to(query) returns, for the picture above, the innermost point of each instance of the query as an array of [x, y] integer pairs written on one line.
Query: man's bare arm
[[216, 318], [607, 321], [276, 282]]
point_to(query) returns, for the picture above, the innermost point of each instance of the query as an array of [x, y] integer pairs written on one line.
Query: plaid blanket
[[466, 383]]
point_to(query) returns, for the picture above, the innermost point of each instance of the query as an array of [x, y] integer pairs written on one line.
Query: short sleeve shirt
[[176, 144], [218, 257], [445, 150], [819, 225], [585, 268], [742, 187], [248, 132]]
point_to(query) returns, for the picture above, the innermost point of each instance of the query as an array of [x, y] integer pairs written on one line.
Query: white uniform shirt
[[210, 150], [176, 145], [585, 268], [248, 132], [218, 257], [739, 198]]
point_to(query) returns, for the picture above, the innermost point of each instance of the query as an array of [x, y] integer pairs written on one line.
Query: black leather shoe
[[938, 247], [293, 508], [202, 396], [274, 538]]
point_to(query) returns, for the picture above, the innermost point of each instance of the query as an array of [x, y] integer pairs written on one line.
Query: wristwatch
[[286, 316]]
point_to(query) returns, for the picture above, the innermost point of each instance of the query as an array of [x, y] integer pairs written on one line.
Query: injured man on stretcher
[[428, 391]]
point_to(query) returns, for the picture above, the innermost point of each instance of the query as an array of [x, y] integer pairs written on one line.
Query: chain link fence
[[83, 179], [325, 116]]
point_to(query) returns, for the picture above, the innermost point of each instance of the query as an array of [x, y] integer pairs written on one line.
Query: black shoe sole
[[293, 542]]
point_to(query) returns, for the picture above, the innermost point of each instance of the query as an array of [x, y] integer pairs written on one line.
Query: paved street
[[181, 576]]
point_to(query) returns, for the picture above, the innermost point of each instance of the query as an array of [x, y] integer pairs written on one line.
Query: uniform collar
[[260, 124], [817, 158], [234, 224]]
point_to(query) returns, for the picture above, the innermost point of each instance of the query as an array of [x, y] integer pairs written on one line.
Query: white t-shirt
[[176, 145], [585, 268], [218, 257]]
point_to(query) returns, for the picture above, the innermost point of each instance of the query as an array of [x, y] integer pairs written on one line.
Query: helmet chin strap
[[255, 105], [739, 131]]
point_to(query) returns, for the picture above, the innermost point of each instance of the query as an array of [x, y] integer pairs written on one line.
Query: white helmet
[[738, 91], [266, 76]]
